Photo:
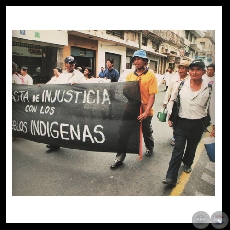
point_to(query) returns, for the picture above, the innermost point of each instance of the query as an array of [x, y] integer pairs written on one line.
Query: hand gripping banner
[[98, 117]]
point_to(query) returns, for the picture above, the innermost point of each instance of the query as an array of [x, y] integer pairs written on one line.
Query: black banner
[[91, 116]]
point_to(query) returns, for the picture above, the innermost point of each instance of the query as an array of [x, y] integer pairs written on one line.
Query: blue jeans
[[187, 134]]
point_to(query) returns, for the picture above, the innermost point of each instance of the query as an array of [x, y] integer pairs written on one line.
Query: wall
[[61, 36], [107, 47]]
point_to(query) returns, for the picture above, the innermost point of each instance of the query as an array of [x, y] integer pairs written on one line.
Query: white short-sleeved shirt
[[16, 79], [28, 80], [208, 79], [53, 80], [76, 77]]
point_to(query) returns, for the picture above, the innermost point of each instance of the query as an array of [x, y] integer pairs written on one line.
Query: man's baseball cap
[[24, 68], [197, 63], [184, 63], [69, 60], [140, 53]]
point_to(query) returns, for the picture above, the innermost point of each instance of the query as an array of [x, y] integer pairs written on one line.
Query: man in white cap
[[148, 88], [70, 75]]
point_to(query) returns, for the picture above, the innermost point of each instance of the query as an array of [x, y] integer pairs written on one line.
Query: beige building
[[47, 49]]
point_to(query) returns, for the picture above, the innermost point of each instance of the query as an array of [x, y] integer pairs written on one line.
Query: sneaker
[[148, 153], [187, 169], [169, 181]]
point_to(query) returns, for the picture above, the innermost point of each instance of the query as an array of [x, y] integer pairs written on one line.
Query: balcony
[[198, 33], [196, 46]]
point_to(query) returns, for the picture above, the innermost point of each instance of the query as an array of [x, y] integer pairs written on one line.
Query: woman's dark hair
[[90, 71], [14, 67]]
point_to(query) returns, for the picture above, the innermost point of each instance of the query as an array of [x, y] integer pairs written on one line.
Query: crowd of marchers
[[191, 82]]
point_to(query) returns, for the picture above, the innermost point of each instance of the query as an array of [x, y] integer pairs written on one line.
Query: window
[[144, 41], [117, 33], [186, 34], [128, 63], [82, 52], [203, 44]]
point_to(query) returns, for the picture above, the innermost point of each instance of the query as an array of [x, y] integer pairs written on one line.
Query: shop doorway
[[40, 60], [153, 65], [84, 58], [85, 62]]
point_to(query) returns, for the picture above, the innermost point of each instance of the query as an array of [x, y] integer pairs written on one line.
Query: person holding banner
[[54, 79], [148, 88], [70, 75]]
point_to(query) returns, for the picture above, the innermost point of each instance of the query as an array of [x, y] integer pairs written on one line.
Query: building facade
[[43, 50]]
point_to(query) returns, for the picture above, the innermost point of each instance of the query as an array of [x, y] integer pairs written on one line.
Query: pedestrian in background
[[210, 78], [190, 124], [88, 74], [110, 72], [148, 89], [210, 74], [101, 74], [181, 75], [57, 71], [159, 77], [167, 77], [79, 68], [16, 77]]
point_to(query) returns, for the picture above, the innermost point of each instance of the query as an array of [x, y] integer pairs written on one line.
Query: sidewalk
[[201, 181]]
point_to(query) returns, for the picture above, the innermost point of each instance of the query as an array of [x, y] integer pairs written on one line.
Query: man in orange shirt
[[148, 89]]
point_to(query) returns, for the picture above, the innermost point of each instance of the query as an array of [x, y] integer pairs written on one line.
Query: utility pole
[[140, 40]]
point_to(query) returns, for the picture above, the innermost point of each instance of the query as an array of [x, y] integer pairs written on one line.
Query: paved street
[[72, 172]]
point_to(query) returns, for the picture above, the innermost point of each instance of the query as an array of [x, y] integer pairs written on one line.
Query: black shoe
[[187, 169], [148, 153], [116, 164], [169, 181], [52, 147]]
